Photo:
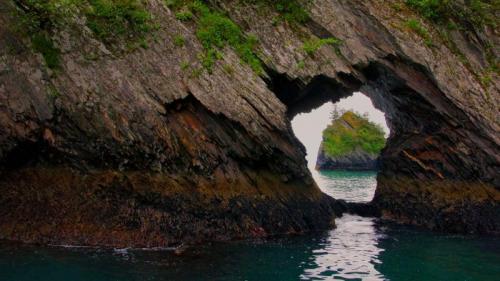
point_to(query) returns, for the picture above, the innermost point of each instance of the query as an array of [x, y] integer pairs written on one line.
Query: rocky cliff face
[[142, 147]]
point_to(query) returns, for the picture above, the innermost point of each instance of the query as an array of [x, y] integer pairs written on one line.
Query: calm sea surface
[[358, 249]]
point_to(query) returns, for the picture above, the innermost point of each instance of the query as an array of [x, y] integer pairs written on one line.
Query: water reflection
[[350, 252], [359, 249]]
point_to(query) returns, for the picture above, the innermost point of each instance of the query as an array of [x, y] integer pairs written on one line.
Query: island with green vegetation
[[350, 142]]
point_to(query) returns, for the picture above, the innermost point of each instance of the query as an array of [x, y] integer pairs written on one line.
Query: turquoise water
[[350, 186], [358, 249]]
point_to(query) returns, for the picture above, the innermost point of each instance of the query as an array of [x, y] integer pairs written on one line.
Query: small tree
[[336, 113]]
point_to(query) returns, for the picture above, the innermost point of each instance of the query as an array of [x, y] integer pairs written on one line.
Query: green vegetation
[[290, 11], [301, 64], [313, 45], [108, 19], [216, 31], [352, 131], [431, 9], [42, 44], [113, 19], [36, 20], [184, 16], [476, 12], [492, 59], [418, 28], [53, 93], [196, 72], [185, 65], [179, 41], [228, 69], [468, 16]]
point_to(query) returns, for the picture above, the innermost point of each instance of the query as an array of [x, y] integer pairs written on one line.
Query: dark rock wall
[[130, 149]]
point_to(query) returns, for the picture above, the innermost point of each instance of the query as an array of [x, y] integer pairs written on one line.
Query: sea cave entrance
[[356, 184]]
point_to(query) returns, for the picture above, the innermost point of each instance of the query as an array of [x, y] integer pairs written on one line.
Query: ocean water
[[358, 249], [350, 186]]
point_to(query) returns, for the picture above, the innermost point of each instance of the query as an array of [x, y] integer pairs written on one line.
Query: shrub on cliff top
[[352, 131]]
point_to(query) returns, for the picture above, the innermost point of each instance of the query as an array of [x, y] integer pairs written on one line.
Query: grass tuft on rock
[[418, 28], [310, 47]]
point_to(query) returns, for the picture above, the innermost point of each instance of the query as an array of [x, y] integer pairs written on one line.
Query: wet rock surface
[[130, 149]]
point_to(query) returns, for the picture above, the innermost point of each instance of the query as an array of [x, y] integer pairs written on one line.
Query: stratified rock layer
[[130, 149]]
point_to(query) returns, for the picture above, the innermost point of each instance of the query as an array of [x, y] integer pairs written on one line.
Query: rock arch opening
[[435, 169], [309, 126], [352, 175]]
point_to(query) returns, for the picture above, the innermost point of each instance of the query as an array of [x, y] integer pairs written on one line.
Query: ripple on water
[[350, 252], [350, 186]]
